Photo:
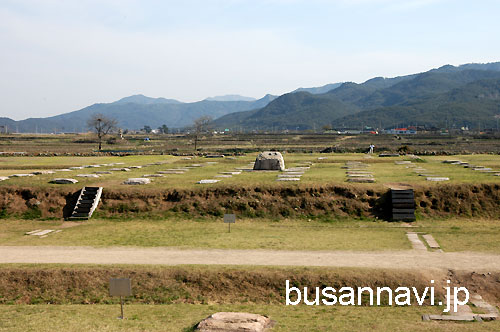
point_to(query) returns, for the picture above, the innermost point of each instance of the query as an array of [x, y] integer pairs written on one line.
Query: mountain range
[[135, 112], [449, 96]]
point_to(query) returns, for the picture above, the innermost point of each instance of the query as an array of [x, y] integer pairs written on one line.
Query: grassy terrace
[[328, 170], [246, 234], [452, 235], [182, 317]]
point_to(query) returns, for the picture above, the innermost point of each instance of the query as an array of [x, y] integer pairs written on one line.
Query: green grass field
[[453, 235], [328, 170], [246, 234], [182, 317]]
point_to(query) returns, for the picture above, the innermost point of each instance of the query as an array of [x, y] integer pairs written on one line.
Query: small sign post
[[120, 287], [229, 219]]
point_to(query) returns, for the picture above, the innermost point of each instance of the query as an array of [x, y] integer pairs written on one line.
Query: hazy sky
[[60, 56]]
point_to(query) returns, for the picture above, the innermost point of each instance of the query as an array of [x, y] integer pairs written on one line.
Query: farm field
[[86, 143]]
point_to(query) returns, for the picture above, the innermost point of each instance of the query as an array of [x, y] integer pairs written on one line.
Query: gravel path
[[405, 259]]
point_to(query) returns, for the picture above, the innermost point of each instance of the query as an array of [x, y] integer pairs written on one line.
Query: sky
[[61, 56]]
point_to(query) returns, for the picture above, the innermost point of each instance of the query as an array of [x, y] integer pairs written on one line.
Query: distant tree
[[163, 129], [101, 125], [200, 125], [147, 129], [327, 127]]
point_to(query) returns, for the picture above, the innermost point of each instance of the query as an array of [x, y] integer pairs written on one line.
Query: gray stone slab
[[170, 172], [88, 175], [415, 241], [234, 322], [42, 172], [431, 241], [359, 176], [361, 180], [137, 181], [437, 179], [207, 181], [64, 181], [452, 318], [43, 232]]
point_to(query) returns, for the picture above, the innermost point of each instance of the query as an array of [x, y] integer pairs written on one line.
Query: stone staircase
[[87, 202]]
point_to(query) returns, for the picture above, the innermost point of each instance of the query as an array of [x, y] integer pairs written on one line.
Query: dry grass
[[213, 233], [182, 317]]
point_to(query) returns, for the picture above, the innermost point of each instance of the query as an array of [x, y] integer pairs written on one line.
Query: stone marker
[[42, 172], [482, 169], [152, 176], [20, 175], [294, 173], [431, 241], [41, 233], [207, 181], [231, 173], [103, 172], [359, 175], [223, 176], [437, 179], [124, 169], [137, 181], [288, 179], [3, 178], [64, 181], [270, 161], [416, 243], [361, 180], [234, 322], [76, 167], [88, 175], [32, 232], [136, 167], [289, 175], [170, 172]]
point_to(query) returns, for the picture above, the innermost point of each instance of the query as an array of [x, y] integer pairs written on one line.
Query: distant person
[[371, 149]]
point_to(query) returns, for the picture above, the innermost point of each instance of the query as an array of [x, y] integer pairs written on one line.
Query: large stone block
[[270, 161], [235, 322]]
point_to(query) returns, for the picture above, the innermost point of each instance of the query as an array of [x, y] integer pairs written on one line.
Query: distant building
[[402, 131]]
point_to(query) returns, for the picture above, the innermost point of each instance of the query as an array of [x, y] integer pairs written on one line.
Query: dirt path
[[406, 259]]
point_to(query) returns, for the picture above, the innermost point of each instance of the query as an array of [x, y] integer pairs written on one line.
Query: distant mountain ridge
[[320, 89], [143, 100], [384, 102], [231, 98], [135, 112], [463, 95]]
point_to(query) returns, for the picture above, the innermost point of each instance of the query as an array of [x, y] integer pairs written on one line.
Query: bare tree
[[200, 125], [101, 125]]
